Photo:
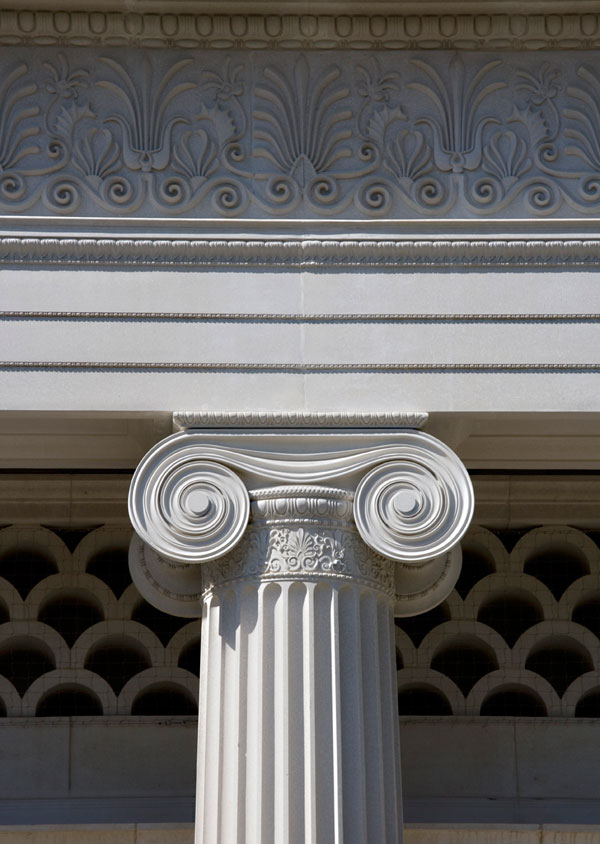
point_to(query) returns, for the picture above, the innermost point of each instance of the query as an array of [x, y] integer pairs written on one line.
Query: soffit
[[524, 442], [507, 501]]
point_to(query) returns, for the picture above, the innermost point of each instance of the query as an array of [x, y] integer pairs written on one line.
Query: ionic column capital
[[301, 533], [386, 506]]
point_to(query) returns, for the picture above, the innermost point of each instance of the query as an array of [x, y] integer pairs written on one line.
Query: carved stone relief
[[544, 29], [385, 136], [194, 500]]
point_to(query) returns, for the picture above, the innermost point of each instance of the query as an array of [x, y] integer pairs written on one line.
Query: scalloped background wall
[[519, 636], [77, 637]]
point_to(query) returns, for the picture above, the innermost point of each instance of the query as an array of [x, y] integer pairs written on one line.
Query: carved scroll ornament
[[299, 135], [388, 511]]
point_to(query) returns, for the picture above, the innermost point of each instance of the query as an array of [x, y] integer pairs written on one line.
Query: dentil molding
[[388, 508], [537, 26]]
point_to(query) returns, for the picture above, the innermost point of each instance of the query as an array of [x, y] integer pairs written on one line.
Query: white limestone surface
[[154, 340]]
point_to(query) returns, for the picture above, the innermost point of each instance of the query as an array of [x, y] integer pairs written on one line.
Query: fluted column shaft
[[298, 733], [298, 584]]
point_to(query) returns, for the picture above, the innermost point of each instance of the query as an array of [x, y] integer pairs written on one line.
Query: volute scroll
[[187, 509], [416, 506]]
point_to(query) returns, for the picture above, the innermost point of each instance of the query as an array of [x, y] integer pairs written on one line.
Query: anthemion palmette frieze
[[298, 545], [383, 135]]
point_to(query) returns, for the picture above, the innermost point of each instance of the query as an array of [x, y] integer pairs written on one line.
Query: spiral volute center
[[413, 510], [189, 510]]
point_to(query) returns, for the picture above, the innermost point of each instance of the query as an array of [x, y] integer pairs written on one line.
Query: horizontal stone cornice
[[466, 26]]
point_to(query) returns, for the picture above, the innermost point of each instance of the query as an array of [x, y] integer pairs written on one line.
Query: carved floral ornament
[[399, 135], [387, 510]]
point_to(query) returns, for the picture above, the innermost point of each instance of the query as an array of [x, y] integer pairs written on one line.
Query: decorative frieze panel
[[384, 136]]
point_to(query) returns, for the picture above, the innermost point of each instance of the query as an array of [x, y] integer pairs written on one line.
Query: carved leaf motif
[[408, 156], [14, 114], [304, 550], [62, 82], [540, 86], [533, 120], [146, 124], [332, 139], [226, 86], [96, 155], [301, 128], [458, 128], [224, 127], [506, 157], [587, 117], [332, 553], [300, 550], [195, 156], [68, 116], [380, 120], [374, 85]]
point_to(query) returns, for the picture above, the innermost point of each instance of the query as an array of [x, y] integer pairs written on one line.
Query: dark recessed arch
[[514, 702], [163, 625], [510, 614], [26, 567], [23, 660], [422, 700], [476, 564], [189, 657], [164, 699], [68, 701], [418, 626], [111, 565], [70, 613], [589, 705], [587, 613], [465, 661], [559, 660], [557, 567], [117, 661]]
